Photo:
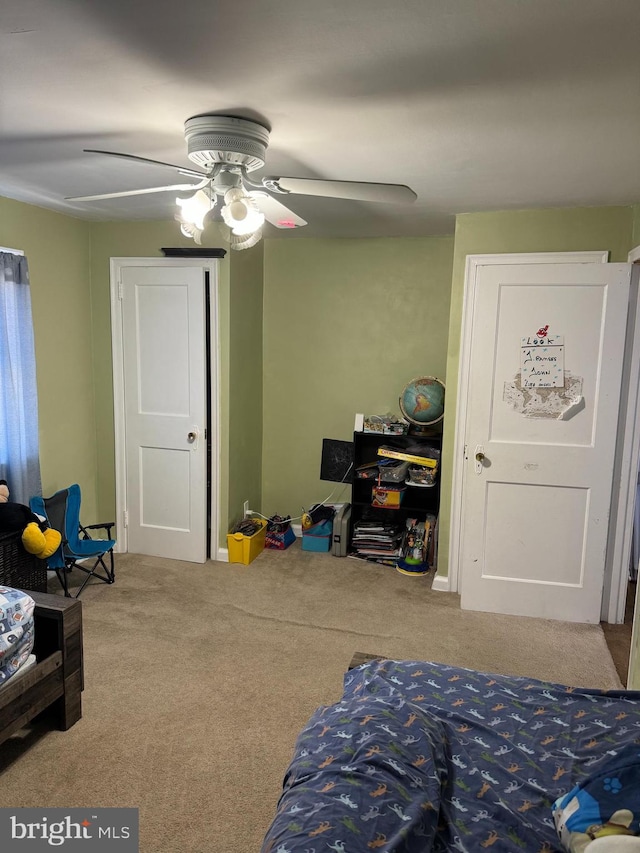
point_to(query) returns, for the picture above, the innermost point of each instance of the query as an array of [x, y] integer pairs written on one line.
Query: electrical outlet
[[246, 508]]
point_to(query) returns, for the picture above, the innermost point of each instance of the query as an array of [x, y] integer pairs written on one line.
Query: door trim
[[625, 465], [117, 351], [634, 443], [472, 265]]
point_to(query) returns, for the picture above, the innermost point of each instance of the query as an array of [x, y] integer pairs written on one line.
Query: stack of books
[[409, 545], [377, 541]]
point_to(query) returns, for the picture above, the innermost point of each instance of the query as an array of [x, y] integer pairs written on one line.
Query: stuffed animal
[[37, 537], [615, 844]]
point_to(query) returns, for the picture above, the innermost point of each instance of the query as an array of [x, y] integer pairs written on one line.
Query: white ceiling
[[475, 104]]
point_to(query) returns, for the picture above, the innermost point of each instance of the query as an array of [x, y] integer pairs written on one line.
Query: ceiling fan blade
[[356, 190], [184, 170], [171, 188], [275, 212]]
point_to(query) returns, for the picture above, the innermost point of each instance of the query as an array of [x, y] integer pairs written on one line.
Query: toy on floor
[[279, 533], [37, 537], [601, 812]]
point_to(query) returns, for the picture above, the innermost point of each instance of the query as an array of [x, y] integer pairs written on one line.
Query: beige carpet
[[198, 679]]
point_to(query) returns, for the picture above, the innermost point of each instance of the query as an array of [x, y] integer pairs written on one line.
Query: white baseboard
[[440, 583], [222, 555]]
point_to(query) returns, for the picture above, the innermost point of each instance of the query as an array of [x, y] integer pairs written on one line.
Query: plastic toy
[[37, 537]]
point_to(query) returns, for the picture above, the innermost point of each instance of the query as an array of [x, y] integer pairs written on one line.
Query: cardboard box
[[386, 498], [395, 453]]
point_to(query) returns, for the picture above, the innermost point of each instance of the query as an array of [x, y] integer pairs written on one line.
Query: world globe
[[422, 401]]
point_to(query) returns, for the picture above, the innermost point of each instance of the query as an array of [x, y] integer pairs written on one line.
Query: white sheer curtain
[[19, 455]]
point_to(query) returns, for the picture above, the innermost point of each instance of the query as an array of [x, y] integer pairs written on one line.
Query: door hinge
[[205, 432], [125, 517], [120, 289], [464, 452]]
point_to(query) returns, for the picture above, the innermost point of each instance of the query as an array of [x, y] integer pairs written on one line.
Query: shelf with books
[[379, 533]]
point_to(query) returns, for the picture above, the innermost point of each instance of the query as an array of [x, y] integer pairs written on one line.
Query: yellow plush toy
[[42, 543], [16, 517]]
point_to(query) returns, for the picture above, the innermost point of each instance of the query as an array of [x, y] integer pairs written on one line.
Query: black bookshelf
[[418, 501]]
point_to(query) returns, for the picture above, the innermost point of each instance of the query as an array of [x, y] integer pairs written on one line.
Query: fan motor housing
[[213, 139]]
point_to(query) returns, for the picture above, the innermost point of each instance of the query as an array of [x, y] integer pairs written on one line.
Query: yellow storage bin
[[244, 549]]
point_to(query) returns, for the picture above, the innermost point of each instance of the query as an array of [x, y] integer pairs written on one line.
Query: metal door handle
[[480, 457], [191, 437]]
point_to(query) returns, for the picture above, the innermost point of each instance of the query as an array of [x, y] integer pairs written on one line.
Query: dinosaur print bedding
[[420, 756]]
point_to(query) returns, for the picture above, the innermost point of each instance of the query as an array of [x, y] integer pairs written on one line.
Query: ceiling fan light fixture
[[190, 230], [194, 209], [244, 241], [213, 139], [241, 213], [228, 149], [237, 242]]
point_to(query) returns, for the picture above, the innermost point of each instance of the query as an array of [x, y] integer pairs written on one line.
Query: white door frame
[[626, 467], [117, 350], [472, 266], [634, 257]]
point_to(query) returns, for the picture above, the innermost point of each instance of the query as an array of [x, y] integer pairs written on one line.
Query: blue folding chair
[[77, 549]]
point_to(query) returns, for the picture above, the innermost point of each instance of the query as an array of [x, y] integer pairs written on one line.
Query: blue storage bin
[[318, 536]]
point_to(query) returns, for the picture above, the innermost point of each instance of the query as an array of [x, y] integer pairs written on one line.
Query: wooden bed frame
[[54, 684]]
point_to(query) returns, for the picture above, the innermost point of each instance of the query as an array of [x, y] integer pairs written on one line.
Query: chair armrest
[[85, 527]]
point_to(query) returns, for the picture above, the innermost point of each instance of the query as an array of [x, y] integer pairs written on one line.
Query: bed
[[53, 683], [419, 756]]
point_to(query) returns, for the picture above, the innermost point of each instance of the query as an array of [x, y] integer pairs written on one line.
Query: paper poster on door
[[559, 404], [543, 388], [542, 360]]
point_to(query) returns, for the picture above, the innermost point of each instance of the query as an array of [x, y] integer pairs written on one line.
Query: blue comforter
[[420, 756]]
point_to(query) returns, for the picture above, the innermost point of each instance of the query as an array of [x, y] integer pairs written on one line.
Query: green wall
[[557, 230], [346, 324], [636, 226], [57, 249], [245, 381]]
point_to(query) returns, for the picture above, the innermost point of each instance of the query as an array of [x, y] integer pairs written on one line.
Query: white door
[[165, 398], [536, 500]]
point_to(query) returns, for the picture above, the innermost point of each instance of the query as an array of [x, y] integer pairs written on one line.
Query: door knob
[[479, 456], [191, 437]]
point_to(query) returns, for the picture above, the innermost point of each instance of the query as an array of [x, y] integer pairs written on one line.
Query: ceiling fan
[[227, 149]]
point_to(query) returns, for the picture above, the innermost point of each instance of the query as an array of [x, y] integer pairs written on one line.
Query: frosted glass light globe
[[241, 213], [237, 210], [195, 208]]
